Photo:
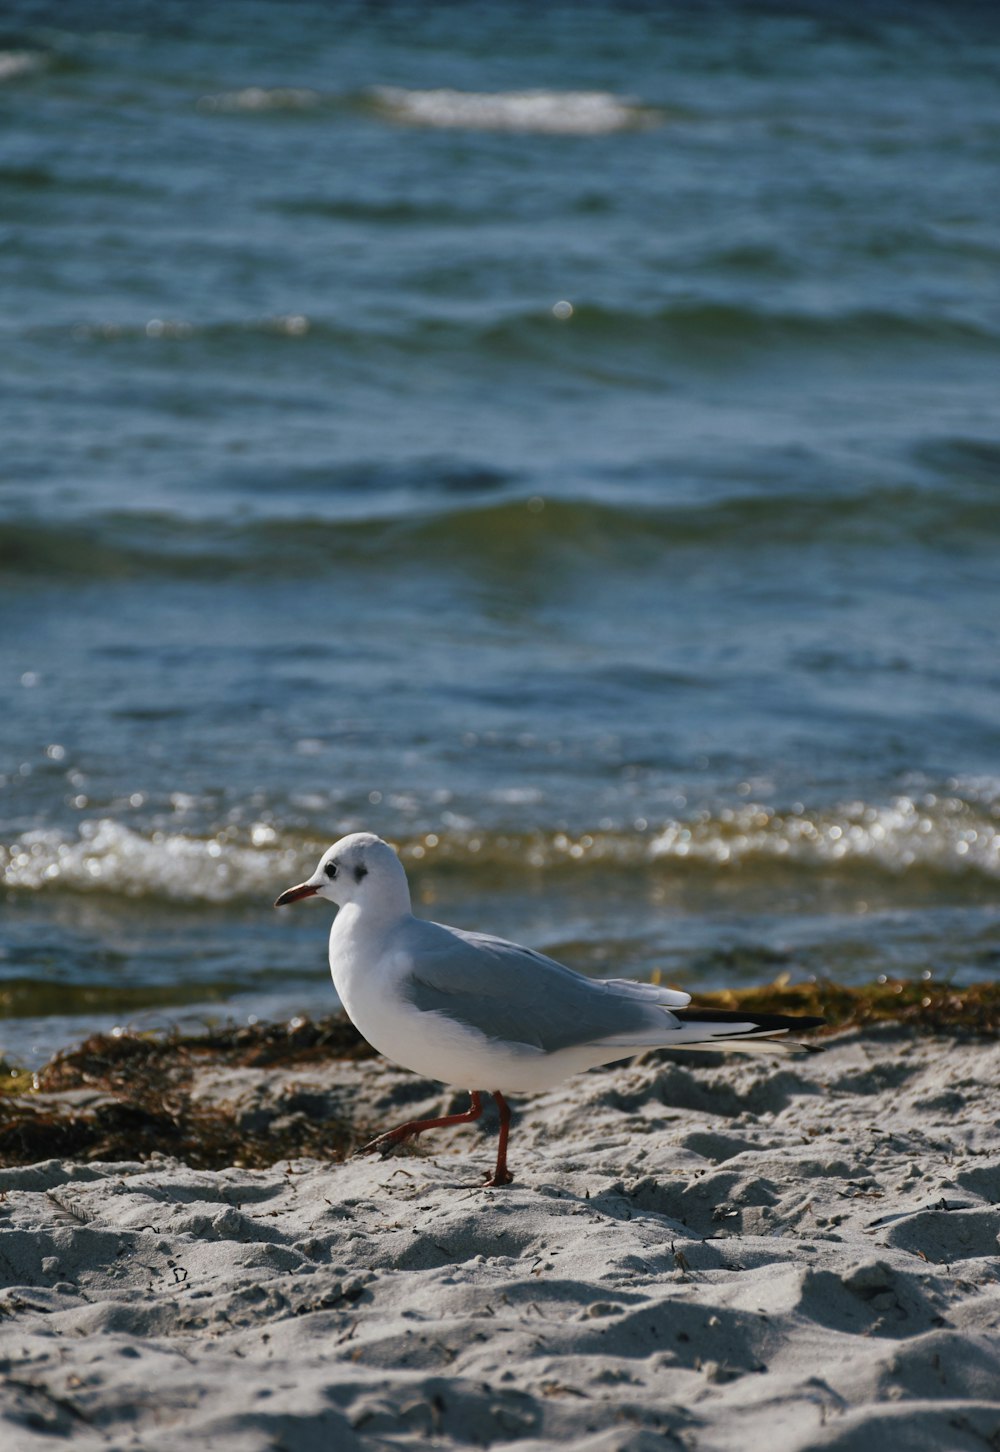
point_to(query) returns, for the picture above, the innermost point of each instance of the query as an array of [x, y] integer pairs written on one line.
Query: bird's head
[[358, 869]]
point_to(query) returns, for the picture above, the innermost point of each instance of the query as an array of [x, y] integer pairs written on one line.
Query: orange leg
[[386, 1143], [501, 1175]]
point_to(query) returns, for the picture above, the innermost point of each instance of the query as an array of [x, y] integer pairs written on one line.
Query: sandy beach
[[558, 439], [696, 1252]]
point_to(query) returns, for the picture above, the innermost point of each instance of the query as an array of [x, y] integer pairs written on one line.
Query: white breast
[[367, 974]]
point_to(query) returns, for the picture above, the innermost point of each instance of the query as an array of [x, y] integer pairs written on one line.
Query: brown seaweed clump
[[927, 1007], [129, 1096]]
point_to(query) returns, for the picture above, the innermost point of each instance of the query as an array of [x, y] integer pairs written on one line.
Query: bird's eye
[[330, 869]]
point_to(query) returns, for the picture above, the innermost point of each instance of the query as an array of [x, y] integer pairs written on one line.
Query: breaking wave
[[15, 64], [943, 837], [536, 112], [553, 113]]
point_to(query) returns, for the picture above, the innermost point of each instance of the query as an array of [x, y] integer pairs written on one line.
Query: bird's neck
[[370, 922]]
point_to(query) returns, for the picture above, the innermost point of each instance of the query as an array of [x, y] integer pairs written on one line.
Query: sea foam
[[943, 836], [557, 113]]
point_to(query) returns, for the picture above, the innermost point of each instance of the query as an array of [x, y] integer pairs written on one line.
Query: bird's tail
[[746, 1033]]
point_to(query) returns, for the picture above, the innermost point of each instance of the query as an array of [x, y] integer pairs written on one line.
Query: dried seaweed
[[113, 1059], [923, 1005], [129, 1096]]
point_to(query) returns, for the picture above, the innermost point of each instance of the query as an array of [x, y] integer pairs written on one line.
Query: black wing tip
[[765, 1022]]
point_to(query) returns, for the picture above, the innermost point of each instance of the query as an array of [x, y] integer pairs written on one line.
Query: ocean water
[[562, 439]]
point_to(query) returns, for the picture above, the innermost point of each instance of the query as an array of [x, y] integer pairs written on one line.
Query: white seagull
[[468, 1009]]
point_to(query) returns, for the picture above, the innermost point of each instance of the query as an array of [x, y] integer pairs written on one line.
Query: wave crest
[[948, 838], [17, 63], [552, 113], [506, 537], [110, 857]]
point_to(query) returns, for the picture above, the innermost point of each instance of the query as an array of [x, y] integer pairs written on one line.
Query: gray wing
[[516, 995]]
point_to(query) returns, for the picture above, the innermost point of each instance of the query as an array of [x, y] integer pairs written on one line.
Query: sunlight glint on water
[[561, 441]]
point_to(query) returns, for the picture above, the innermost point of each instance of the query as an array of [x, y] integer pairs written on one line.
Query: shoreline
[[698, 1252], [130, 1094]]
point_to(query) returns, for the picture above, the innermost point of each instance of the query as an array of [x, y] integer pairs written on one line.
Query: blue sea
[[562, 439]]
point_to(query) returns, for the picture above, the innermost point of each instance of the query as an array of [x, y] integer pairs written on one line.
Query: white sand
[[702, 1254]]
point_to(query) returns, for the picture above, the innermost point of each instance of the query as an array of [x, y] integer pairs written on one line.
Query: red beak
[[304, 889]]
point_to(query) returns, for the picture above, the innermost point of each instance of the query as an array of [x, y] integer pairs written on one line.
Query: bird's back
[[510, 993]]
